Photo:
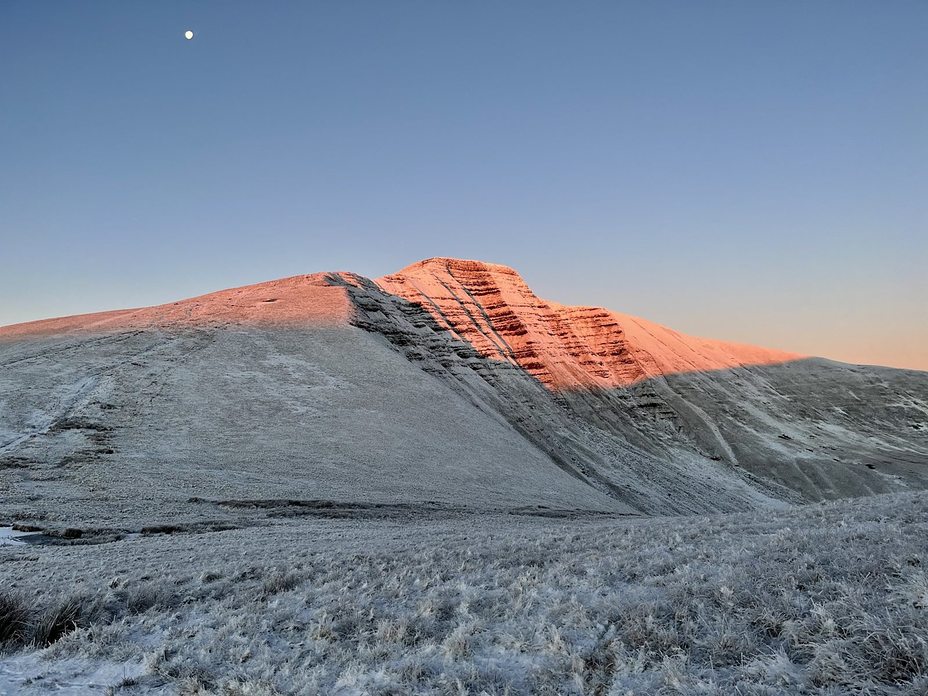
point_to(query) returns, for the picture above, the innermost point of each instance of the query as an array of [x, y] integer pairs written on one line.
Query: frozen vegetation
[[826, 599]]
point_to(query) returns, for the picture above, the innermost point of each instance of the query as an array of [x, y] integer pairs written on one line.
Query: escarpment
[[491, 307], [790, 425], [448, 382]]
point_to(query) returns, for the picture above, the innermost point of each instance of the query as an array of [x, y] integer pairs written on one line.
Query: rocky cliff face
[[795, 428], [448, 381], [564, 348]]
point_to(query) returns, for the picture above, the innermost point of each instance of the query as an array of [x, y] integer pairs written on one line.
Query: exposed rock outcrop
[[564, 348], [793, 426]]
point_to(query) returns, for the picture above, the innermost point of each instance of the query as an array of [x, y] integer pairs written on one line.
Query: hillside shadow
[[797, 430]]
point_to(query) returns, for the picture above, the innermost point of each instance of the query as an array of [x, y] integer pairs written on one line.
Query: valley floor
[[825, 599]]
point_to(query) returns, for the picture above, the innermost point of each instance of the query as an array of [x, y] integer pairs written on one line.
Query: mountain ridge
[[449, 380], [562, 346], [314, 298]]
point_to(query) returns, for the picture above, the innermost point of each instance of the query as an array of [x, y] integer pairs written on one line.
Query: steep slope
[[595, 446], [119, 420], [818, 428], [492, 308]]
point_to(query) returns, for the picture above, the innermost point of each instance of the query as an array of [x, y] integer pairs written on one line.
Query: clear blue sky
[[756, 171]]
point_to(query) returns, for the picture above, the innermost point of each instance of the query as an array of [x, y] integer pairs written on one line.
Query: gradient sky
[[748, 171]]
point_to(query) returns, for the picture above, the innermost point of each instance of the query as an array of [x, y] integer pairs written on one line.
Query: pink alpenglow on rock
[[487, 305], [491, 307]]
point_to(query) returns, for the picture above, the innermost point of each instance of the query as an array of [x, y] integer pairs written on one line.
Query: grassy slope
[[121, 430], [828, 599]]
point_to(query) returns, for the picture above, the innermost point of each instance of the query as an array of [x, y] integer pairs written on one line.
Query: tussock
[[828, 599], [27, 623], [15, 617]]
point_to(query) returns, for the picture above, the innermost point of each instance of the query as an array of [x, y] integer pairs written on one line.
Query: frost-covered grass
[[829, 599]]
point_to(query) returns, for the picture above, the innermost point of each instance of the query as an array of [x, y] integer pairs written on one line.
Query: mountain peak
[[487, 305], [451, 264], [491, 307]]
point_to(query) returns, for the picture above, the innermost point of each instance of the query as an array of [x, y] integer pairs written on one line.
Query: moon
[[188, 35]]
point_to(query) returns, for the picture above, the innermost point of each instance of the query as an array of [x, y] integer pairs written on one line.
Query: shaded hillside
[[820, 428]]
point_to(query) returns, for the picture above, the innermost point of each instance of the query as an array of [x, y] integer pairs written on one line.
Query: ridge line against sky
[[752, 173]]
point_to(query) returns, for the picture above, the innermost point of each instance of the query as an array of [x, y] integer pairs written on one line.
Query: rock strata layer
[[491, 307]]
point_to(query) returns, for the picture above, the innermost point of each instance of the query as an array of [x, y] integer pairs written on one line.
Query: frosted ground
[[825, 599]]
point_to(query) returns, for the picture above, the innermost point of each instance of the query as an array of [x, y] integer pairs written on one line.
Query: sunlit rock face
[[650, 408], [492, 308]]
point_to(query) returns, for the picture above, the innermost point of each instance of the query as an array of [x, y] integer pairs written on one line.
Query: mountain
[[445, 386], [565, 348]]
